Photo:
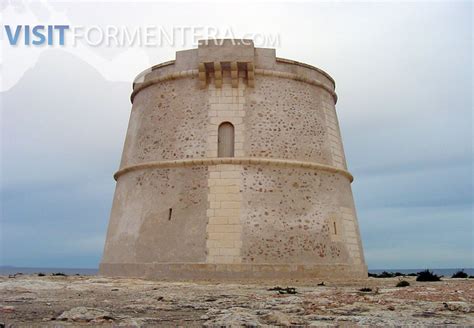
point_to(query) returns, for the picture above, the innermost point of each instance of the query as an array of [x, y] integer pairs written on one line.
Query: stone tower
[[233, 167]]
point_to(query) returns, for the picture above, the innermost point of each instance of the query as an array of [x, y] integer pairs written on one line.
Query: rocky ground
[[28, 300]]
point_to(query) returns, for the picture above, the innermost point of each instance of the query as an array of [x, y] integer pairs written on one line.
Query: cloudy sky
[[403, 74]]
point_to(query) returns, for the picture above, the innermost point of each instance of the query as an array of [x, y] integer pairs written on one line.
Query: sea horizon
[[10, 269]]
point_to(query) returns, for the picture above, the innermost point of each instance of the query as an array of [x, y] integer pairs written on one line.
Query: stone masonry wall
[[141, 227], [167, 123], [285, 119], [288, 216], [224, 231], [224, 228]]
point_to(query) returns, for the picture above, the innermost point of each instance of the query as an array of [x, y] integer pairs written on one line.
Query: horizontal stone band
[[233, 160], [297, 63], [195, 73], [219, 272]]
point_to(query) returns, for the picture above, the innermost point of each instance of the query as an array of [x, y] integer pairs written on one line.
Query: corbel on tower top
[[218, 56]]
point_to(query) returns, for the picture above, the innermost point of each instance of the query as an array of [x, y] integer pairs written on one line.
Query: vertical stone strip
[[351, 234], [226, 104], [234, 74], [202, 76], [334, 135], [250, 75], [217, 74], [224, 230]]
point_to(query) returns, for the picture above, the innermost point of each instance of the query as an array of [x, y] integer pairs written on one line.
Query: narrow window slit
[[225, 140], [170, 213]]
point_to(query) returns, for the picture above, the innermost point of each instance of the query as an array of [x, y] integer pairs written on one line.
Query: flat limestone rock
[[134, 302], [83, 313]]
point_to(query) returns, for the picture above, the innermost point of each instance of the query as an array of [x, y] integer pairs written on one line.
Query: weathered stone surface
[[233, 317], [26, 301], [82, 313], [277, 318], [459, 307]]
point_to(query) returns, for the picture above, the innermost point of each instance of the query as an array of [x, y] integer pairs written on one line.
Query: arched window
[[225, 140]]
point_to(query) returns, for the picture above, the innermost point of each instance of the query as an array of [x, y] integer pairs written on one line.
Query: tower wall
[[282, 207]]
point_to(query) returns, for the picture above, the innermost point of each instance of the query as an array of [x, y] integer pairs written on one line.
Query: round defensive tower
[[233, 167]]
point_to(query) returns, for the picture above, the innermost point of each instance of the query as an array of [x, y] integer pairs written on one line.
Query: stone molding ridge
[[234, 161], [173, 76], [314, 68], [141, 76], [195, 73]]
